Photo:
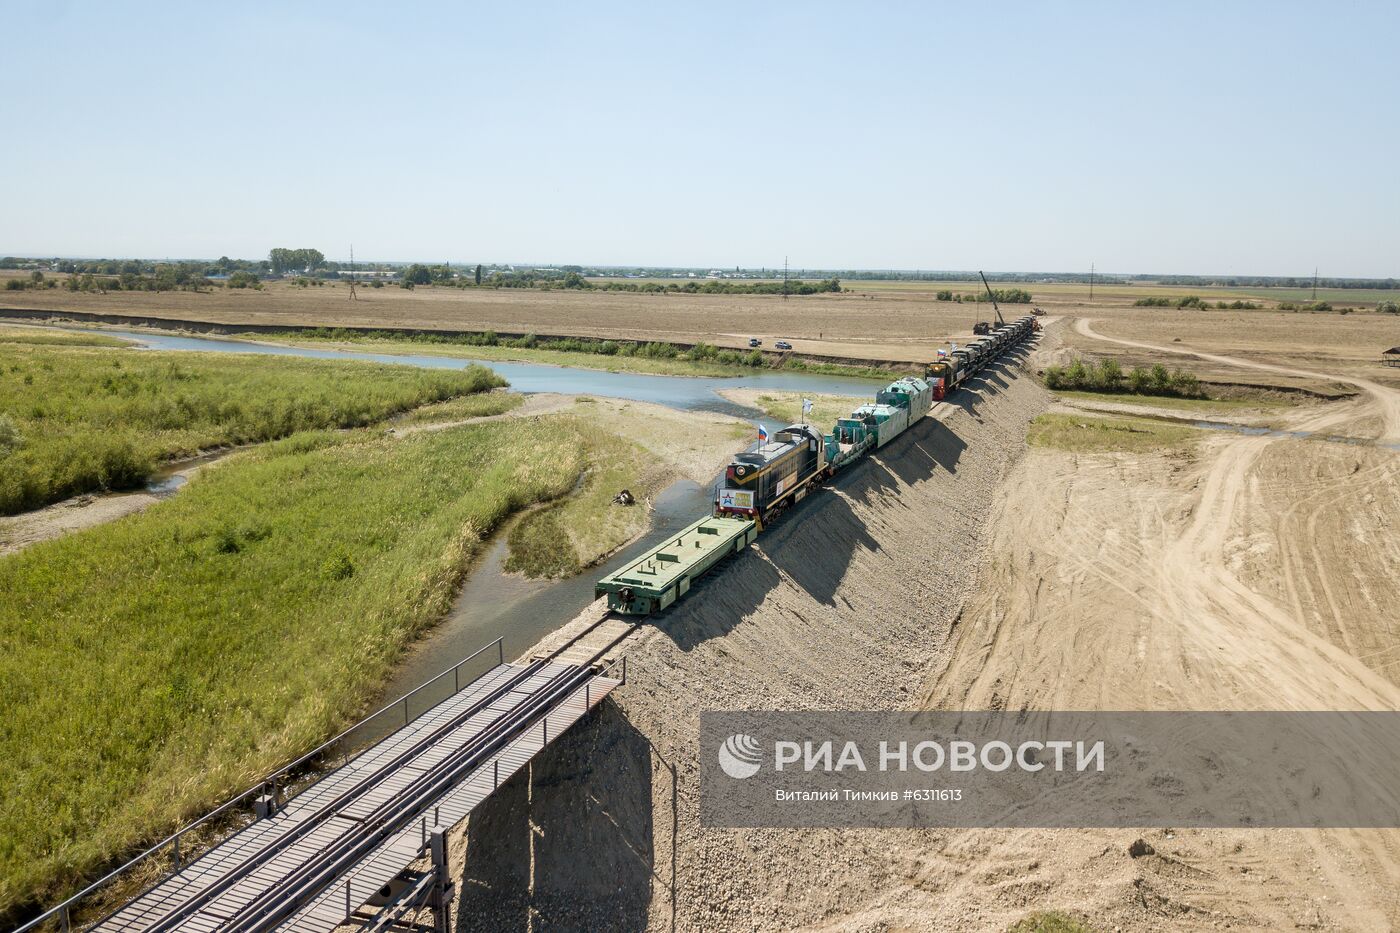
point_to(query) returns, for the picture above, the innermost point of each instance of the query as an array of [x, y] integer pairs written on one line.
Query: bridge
[[365, 842]]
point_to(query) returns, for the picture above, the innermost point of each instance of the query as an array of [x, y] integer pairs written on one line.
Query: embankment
[[843, 604]]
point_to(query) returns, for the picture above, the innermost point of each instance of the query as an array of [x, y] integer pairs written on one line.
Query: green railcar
[[665, 574]]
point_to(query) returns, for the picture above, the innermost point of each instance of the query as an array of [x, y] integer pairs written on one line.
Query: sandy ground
[[1248, 573], [1255, 574], [79, 512]]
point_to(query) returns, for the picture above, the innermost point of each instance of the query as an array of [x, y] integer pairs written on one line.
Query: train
[[759, 485]]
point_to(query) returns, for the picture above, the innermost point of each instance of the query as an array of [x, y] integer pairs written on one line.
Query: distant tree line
[[166, 278], [1193, 301], [1006, 296], [1263, 281]]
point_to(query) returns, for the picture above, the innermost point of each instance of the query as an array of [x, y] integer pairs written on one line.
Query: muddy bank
[[89, 510], [844, 603]]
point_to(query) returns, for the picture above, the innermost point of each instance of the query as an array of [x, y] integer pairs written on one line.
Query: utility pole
[[1314, 297], [352, 273], [1091, 281], [785, 278]]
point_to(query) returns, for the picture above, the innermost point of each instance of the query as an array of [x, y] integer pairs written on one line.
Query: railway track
[[364, 823]]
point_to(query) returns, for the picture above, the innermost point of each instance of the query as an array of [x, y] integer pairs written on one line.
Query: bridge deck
[[246, 865]]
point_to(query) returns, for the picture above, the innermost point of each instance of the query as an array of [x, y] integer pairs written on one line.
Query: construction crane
[[985, 327]]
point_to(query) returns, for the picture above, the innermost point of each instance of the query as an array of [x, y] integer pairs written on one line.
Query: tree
[[418, 275], [295, 260], [478, 273]]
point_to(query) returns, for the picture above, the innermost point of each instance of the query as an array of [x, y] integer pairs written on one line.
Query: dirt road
[[1385, 399], [1247, 573]]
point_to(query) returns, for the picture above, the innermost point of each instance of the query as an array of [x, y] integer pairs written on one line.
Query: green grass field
[[1242, 403], [563, 538], [1091, 434], [79, 418], [35, 336], [158, 663], [481, 405]]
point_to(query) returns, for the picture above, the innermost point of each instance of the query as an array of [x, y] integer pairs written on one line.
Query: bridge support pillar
[[443, 892]]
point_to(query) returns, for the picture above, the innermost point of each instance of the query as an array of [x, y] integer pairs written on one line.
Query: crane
[[980, 328]]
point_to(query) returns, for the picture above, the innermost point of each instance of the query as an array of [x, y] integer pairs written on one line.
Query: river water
[[496, 604], [690, 393]]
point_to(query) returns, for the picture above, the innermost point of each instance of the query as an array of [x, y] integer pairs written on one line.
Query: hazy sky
[[1215, 138]]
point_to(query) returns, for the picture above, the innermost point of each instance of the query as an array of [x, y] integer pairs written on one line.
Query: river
[[493, 603]]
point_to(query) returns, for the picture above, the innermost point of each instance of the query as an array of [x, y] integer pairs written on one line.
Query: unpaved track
[[1248, 573], [1386, 399]]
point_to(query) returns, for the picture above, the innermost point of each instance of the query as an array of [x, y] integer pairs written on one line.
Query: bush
[[1388, 307], [243, 279], [1108, 376]]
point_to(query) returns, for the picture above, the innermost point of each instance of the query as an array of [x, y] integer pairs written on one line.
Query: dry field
[[896, 321]]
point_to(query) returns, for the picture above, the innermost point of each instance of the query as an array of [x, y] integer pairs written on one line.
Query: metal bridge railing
[[263, 794]]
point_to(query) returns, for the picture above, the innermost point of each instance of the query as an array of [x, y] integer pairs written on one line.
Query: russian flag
[[763, 434]]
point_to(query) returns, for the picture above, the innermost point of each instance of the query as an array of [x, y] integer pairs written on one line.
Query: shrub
[[1108, 376], [10, 438], [1388, 307]]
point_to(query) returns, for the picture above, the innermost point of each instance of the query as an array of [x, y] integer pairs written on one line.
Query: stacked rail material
[[664, 575], [367, 821]]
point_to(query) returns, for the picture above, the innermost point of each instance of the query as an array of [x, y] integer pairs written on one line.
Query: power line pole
[[785, 278], [1314, 297], [352, 273], [1091, 281]]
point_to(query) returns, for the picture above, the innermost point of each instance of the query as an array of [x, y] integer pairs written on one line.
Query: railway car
[[911, 393], [759, 484], [776, 474], [885, 422]]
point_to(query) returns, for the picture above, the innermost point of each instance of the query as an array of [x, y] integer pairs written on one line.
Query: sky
[[1211, 138]]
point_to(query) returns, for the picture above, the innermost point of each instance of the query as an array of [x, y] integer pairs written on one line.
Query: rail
[[268, 787]]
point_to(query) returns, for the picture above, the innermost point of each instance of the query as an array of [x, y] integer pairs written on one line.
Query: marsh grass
[[563, 538], [155, 665], [91, 419], [482, 405], [653, 358]]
